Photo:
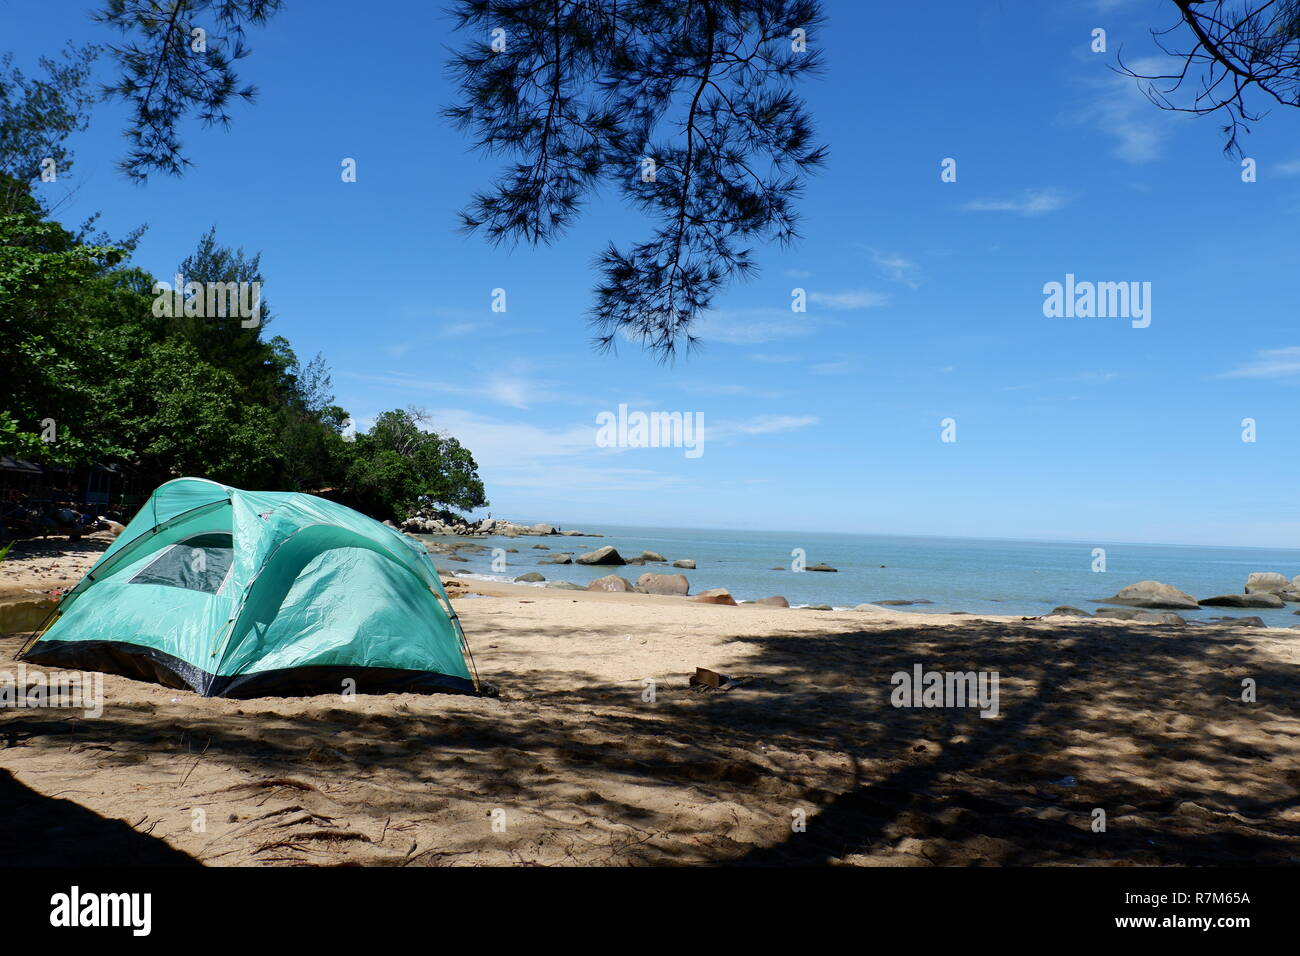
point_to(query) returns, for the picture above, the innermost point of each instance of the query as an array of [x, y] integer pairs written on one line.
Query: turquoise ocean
[[956, 574]]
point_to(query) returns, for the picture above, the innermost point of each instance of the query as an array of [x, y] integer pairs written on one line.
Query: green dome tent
[[252, 594]]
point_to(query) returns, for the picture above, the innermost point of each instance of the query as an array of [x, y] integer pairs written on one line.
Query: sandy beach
[[37, 566], [575, 764]]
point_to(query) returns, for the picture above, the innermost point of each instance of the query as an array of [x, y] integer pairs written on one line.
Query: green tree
[[311, 425], [229, 341], [44, 345], [397, 466], [180, 416], [82, 347]]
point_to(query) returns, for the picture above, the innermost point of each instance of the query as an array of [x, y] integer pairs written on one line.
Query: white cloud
[[567, 459], [1291, 168], [441, 321], [1094, 378], [848, 299], [752, 326], [1119, 108], [719, 388], [515, 391], [760, 425], [553, 477], [1270, 363], [1034, 202], [896, 268], [499, 443]]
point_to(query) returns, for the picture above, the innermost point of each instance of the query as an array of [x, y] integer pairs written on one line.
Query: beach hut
[[251, 594]]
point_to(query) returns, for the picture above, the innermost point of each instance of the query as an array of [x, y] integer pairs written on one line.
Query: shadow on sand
[[37, 830], [1146, 723]]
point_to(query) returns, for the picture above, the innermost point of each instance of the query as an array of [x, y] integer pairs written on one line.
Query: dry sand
[[37, 566], [1143, 721]]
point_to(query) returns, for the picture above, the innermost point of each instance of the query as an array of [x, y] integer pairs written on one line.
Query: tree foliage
[[1231, 53], [37, 115], [168, 71], [399, 466], [687, 108], [82, 348], [43, 349], [229, 341]]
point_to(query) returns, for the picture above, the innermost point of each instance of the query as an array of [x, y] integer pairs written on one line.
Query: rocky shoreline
[[1152, 602], [1159, 602], [434, 521]]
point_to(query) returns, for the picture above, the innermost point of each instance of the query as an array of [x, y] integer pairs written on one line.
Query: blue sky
[[926, 297]]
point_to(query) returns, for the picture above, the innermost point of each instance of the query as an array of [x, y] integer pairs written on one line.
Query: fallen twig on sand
[[280, 845], [268, 783], [306, 817], [333, 836], [196, 762]]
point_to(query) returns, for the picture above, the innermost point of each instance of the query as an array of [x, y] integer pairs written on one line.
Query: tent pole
[[464, 642], [40, 629]]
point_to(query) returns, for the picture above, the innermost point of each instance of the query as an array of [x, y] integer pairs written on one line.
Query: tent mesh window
[[200, 563]]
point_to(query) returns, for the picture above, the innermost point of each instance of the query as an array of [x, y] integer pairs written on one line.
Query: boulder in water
[[605, 555], [1153, 594], [1269, 581], [1257, 599]]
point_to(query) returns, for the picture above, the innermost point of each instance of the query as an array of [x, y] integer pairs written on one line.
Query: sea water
[[974, 575]]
